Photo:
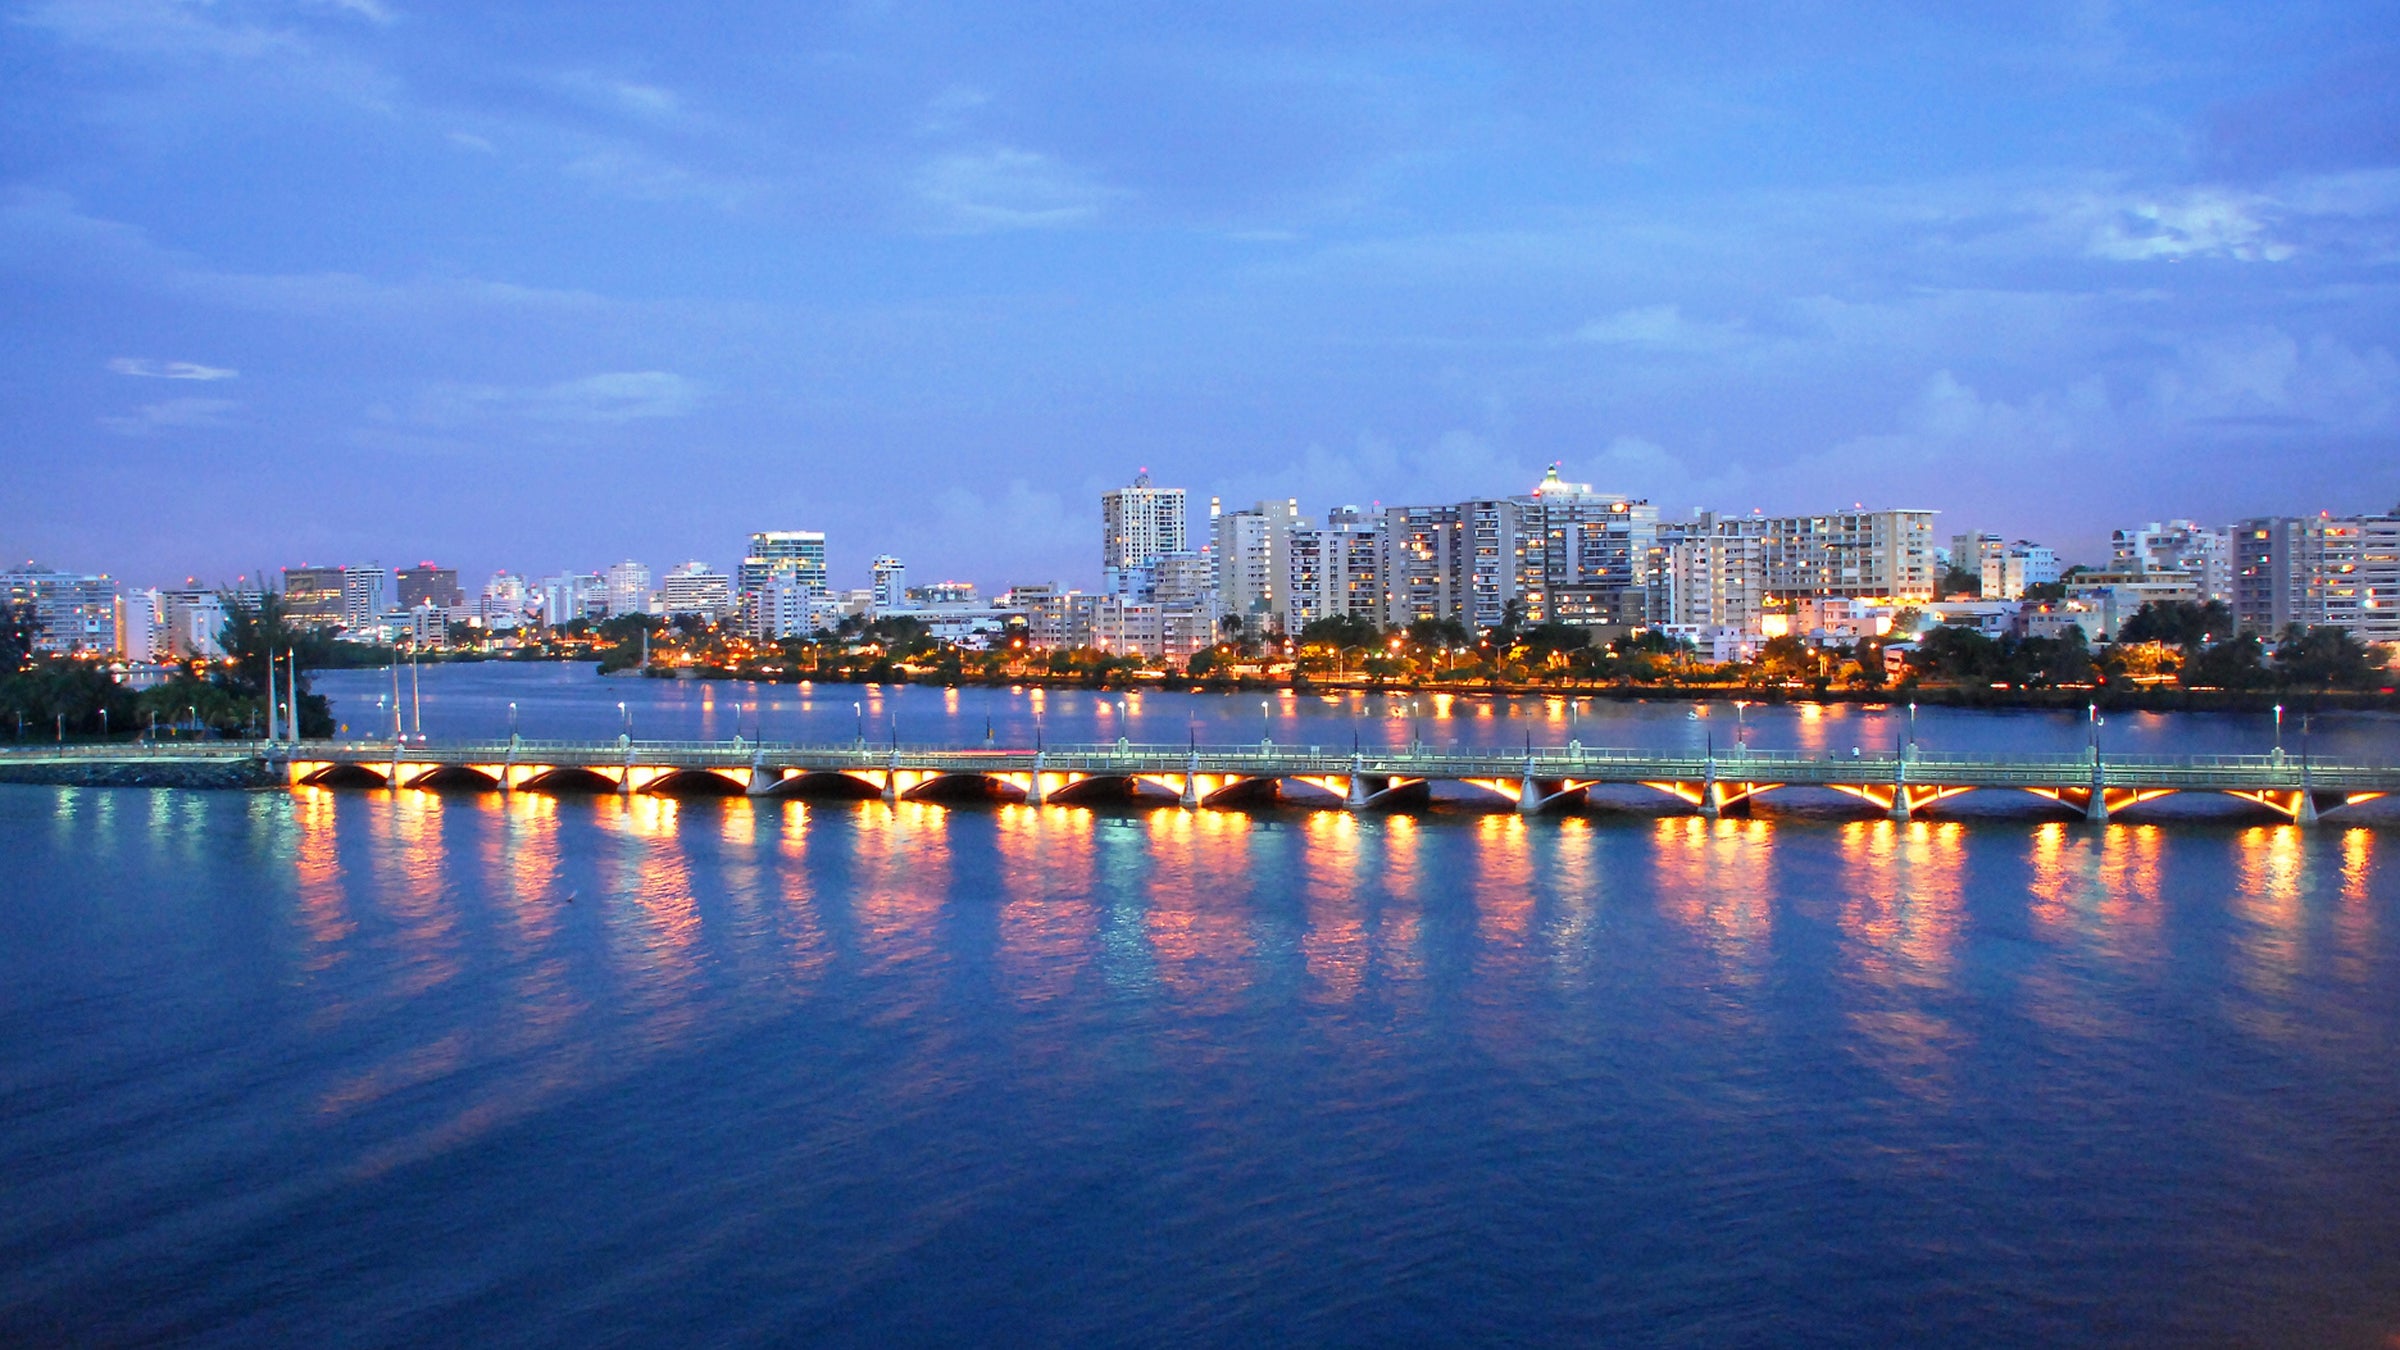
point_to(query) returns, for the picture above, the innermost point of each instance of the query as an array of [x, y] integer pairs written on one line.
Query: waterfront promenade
[[1899, 783]]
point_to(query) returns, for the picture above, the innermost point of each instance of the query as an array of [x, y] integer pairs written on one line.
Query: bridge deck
[[1885, 777]]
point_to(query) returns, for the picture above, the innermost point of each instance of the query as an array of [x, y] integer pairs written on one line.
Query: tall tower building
[[889, 577], [628, 588], [1138, 523], [799, 554]]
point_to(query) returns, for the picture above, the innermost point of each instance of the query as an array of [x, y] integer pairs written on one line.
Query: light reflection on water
[[1899, 1066]]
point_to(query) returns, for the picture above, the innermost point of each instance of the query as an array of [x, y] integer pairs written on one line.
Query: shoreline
[[2160, 699]]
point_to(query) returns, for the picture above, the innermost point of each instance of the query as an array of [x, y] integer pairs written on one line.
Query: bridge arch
[[692, 783], [346, 775], [827, 785], [569, 779], [964, 787], [455, 776]]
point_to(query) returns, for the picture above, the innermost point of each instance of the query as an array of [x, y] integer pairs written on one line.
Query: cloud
[[635, 174], [2202, 222], [373, 11], [1009, 189], [148, 369], [607, 399], [648, 102], [173, 414], [1661, 328]]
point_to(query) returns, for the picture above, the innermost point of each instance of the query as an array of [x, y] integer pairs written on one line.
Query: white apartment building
[[888, 578], [1253, 557], [368, 593], [695, 588], [1138, 523], [2007, 572], [2204, 554], [502, 604], [628, 585]]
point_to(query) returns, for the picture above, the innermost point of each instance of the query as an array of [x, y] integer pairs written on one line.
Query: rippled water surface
[[370, 1067]]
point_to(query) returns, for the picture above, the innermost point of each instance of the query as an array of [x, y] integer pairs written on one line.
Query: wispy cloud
[[607, 399], [1010, 189], [148, 369], [171, 415], [2199, 223], [1660, 327]]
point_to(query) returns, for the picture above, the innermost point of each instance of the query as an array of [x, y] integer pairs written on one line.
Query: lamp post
[[2279, 733], [1912, 730], [2092, 712], [627, 714], [1266, 724], [859, 710], [512, 719]]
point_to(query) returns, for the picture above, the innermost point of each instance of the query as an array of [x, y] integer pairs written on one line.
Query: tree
[[16, 637], [1546, 638], [1512, 618], [2238, 662], [1958, 581], [1438, 633], [1341, 631], [257, 633], [2326, 658], [2181, 623]]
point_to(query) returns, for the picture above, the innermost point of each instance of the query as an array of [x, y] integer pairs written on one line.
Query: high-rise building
[[784, 607], [692, 588], [1712, 573], [312, 596], [72, 611], [1866, 555], [1138, 523], [570, 596], [367, 594], [628, 586], [503, 603], [889, 580], [1253, 561], [2203, 554], [192, 620], [799, 554], [141, 627], [2324, 570], [1418, 564], [426, 584], [1585, 557], [2008, 571]]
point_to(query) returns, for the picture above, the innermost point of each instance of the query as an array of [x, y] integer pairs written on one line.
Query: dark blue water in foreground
[[376, 1068]]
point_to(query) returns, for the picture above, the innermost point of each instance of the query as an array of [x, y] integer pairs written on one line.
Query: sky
[[541, 286]]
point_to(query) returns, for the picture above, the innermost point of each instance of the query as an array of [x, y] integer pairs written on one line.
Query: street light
[[2278, 733], [512, 719], [1912, 730], [627, 714], [859, 710]]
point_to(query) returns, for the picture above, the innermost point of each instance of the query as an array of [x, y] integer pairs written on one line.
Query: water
[[385, 1068]]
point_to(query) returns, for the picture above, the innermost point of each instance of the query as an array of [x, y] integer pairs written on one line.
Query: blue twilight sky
[[548, 285]]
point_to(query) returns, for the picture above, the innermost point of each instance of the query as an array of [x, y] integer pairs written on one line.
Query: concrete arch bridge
[[1531, 781]]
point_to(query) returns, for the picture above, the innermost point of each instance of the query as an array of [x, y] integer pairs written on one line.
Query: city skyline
[[324, 281]]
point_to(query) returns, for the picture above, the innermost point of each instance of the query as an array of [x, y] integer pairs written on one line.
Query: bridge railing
[[2043, 770]]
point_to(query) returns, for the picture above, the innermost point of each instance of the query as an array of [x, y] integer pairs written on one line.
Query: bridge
[[1532, 781], [1898, 784]]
